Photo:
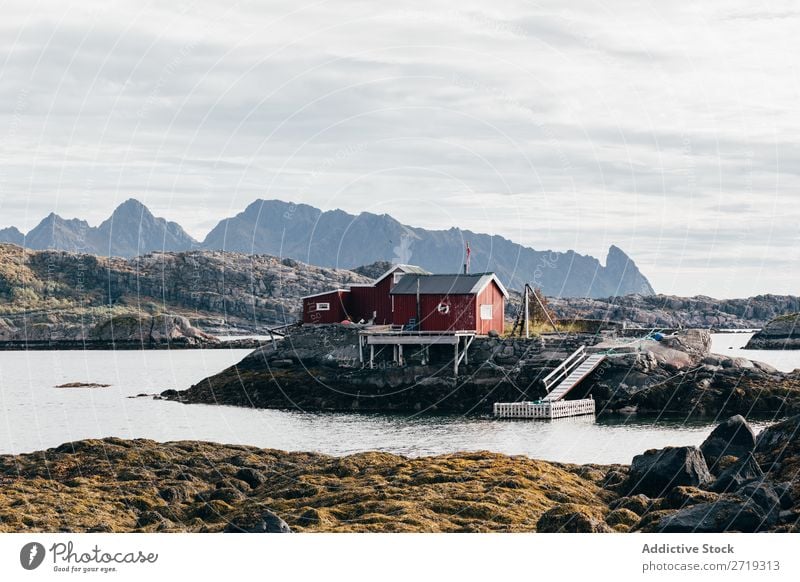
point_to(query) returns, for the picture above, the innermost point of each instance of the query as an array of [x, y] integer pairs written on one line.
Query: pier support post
[[527, 314]]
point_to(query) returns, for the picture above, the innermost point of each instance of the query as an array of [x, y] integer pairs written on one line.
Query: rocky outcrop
[[781, 333], [717, 386], [752, 493], [373, 270], [57, 296], [150, 330], [670, 311]]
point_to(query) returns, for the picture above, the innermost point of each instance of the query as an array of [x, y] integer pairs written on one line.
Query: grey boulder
[[733, 437], [657, 471]]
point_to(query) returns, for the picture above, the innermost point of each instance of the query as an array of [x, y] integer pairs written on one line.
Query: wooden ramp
[[570, 373], [558, 384]]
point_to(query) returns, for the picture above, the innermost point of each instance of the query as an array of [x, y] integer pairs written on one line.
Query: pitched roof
[[459, 284], [407, 269]]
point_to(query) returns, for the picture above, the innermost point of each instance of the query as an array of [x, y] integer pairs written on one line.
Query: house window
[[396, 277], [486, 312], [324, 307]]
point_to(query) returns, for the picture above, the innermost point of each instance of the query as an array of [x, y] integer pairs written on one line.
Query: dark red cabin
[[327, 307], [409, 296], [367, 303]]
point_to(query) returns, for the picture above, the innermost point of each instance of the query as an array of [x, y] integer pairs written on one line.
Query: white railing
[[565, 368], [546, 410]]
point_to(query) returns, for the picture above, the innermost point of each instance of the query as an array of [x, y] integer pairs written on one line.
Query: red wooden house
[[450, 302], [408, 296]]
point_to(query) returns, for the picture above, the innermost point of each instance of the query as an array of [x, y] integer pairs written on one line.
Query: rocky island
[[732, 482], [318, 368], [781, 333]]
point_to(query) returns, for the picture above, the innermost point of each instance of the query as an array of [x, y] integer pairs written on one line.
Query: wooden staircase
[[570, 373]]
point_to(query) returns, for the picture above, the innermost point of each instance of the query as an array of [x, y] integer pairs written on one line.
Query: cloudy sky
[[669, 129]]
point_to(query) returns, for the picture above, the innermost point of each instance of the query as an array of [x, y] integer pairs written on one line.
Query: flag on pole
[[468, 254]]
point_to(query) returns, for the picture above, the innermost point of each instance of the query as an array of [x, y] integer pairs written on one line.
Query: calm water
[[35, 415], [732, 344]]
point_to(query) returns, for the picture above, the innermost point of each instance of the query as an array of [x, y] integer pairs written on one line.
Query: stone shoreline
[[733, 482]]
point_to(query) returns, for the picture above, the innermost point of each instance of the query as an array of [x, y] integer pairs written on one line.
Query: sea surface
[[35, 415]]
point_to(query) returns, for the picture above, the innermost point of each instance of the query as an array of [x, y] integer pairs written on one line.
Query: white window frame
[[396, 277], [323, 306], [487, 312]]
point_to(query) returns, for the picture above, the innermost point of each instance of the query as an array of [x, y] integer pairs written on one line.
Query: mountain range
[[338, 239]]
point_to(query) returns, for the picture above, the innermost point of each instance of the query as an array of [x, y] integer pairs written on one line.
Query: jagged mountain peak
[[57, 218], [130, 210], [133, 230], [12, 235], [132, 206], [622, 268]]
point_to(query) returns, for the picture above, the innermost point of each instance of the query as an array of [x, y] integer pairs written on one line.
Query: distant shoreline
[[102, 345]]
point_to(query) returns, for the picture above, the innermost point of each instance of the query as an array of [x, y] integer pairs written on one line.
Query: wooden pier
[[460, 340], [544, 410]]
